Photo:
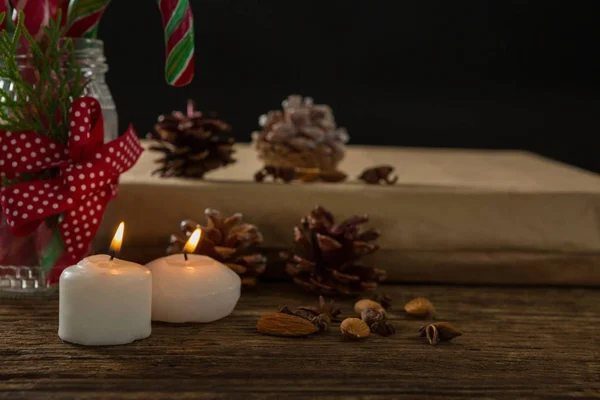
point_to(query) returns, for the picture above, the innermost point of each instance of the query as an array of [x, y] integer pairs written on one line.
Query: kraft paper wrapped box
[[454, 216]]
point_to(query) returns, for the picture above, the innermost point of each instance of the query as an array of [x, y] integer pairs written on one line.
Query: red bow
[[87, 179]]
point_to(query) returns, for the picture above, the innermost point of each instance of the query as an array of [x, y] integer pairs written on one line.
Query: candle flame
[[193, 241], [115, 245]]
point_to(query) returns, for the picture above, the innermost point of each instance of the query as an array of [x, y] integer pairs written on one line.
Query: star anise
[[321, 316], [383, 328], [378, 174], [330, 309]]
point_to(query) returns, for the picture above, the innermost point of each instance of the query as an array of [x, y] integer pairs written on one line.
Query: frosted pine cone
[[303, 135]]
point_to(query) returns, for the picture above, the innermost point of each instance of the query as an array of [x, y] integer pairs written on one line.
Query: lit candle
[[192, 288], [104, 300]]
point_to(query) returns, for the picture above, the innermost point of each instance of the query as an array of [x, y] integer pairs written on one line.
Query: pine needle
[[45, 79]]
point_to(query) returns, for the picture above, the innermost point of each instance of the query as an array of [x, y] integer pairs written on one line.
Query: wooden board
[[519, 343]]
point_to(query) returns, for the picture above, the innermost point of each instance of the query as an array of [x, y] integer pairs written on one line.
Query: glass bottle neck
[[88, 54]]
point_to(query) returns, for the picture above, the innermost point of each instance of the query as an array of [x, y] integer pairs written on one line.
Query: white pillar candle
[[105, 302], [199, 289]]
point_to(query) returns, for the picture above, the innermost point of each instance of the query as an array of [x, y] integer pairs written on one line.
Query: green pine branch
[[45, 78]]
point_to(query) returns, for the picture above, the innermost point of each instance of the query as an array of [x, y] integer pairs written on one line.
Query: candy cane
[[63, 7], [178, 24], [36, 15], [84, 16]]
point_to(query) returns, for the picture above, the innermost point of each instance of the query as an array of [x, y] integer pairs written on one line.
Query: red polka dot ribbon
[[87, 178]]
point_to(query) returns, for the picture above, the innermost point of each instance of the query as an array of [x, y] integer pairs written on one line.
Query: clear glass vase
[[20, 271]]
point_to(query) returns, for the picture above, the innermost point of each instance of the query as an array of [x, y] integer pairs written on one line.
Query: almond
[[355, 328], [279, 324], [419, 308]]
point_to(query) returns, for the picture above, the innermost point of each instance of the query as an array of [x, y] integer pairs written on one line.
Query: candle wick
[[185, 256], [112, 255]]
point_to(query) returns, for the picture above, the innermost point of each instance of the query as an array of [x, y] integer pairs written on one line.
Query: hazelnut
[[355, 328], [366, 304], [370, 316]]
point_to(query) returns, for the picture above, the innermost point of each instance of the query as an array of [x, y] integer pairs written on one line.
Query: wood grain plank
[[518, 343]]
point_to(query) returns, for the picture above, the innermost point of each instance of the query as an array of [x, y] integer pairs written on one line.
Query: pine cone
[[325, 255], [228, 241], [303, 135], [192, 144]]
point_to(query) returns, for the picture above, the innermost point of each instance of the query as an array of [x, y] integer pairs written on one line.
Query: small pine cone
[[325, 255], [192, 144], [304, 135], [227, 240]]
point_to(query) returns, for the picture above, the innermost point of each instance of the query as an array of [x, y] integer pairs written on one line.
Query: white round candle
[[200, 289], [105, 302]]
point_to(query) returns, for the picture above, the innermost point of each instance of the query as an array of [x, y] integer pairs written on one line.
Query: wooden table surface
[[519, 343]]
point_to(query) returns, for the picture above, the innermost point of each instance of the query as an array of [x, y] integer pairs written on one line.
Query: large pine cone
[[228, 241], [192, 144], [303, 136], [325, 255]]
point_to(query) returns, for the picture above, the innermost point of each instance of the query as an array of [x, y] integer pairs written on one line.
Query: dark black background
[[489, 74]]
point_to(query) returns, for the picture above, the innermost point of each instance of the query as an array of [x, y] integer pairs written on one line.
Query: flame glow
[[193, 241], [117, 241]]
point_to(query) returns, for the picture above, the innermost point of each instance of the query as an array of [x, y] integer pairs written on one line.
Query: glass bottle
[[20, 271]]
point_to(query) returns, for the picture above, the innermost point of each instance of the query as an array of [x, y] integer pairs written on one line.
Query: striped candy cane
[[63, 7], [178, 25], [84, 16], [36, 15]]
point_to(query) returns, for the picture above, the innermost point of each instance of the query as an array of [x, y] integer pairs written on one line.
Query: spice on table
[[280, 324], [439, 332], [354, 328], [289, 174], [383, 328], [332, 176], [419, 307], [321, 316], [321, 321], [375, 316], [378, 174], [330, 309], [370, 316], [285, 174]]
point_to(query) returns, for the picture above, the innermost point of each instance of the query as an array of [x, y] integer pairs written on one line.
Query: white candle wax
[[200, 289], [104, 302]]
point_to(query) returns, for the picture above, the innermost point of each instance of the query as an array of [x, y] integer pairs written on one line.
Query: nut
[[439, 332], [383, 328], [371, 316], [279, 324], [354, 328], [419, 308], [367, 304]]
